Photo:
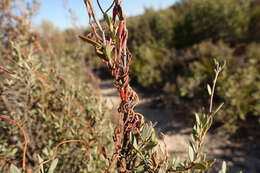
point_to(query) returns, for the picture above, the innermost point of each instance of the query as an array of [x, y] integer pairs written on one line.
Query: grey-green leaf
[[209, 89], [197, 118], [191, 154], [53, 165], [219, 107], [150, 145], [146, 132], [14, 169], [224, 168], [135, 143], [211, 162], [176, 163], [199, 166], [40, 161]]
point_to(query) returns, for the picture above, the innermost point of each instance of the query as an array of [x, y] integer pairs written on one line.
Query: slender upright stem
[[96, 20]]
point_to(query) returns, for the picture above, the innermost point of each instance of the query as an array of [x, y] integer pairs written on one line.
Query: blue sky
[[56, 11]]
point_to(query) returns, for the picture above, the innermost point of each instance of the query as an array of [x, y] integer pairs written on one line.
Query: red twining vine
[[110, 46]]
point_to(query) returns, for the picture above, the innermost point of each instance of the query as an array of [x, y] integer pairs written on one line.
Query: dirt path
[[238, 156]]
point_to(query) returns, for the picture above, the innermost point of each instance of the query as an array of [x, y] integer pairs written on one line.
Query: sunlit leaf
[[199, 166], [219, 107], [209, 89], [53, 165], [40, 161], [191, 154], [14, 169]]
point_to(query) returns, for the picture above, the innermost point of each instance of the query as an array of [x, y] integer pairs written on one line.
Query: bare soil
[[240, 155]]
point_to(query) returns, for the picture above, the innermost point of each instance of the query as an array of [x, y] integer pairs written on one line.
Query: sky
[[57, 11]]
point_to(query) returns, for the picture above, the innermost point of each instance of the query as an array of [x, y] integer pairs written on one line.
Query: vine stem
[[64, 142], [24, 135], [96, 19]]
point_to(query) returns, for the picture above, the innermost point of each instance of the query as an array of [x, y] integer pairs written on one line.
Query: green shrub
[[217, 19], [149, 68], [49, 97], [254, 24], [53, 108], [238, 88], [241, 89], [151, 28]]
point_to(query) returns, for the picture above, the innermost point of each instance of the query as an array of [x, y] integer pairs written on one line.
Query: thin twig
[[63, 142], [217, 70], [100, 7], [96, 20], [119, 68], [110, 7]]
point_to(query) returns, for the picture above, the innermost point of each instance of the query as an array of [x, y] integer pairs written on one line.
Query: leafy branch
[[197, 159]]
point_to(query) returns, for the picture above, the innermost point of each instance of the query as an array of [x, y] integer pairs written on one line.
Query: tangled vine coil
[[111, 47]]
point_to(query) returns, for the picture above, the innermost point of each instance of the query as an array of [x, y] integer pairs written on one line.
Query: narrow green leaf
[[204, 120], [131, 138], [108, 51], [219, 107], [199, 166], [40, 161], [135, 143], [209, 89], [197, 129], [26, 65], [207, 125], [144, 132], [37, 67], [14, 169], [210, 123], [192, 146], [211, 162], [114, 35], [224, 168], [53, 165], [197, 118], [150, 145], [140, 169], [147, 132], [108, 20], [193, 137], [191, 154], [94, 43], [176, 163]]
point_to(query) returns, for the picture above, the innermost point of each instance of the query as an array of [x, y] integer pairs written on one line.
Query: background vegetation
[[51, 96], [174, 49]]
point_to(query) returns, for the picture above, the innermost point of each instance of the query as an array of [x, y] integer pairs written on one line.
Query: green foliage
[[148, 69], [254, 24], [152, 27], [149, 38], [49, 97], [175, 53], [217, 19], [53, 109], [238, 87], [241, 88]]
